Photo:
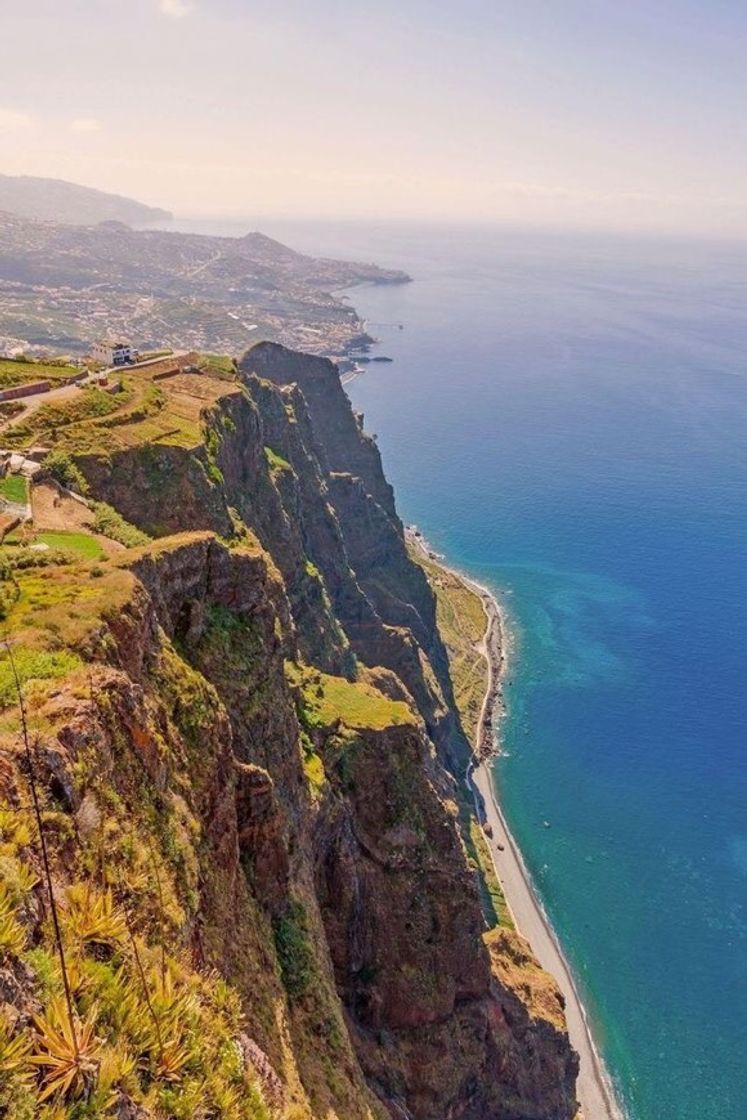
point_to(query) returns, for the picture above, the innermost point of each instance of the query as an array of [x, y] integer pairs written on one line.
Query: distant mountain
[[55, 200]]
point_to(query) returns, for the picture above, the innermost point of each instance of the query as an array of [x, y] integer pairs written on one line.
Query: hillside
[[55, 200], [62, 286], [245, 742]]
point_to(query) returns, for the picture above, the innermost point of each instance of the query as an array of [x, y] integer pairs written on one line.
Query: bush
[[110, 523], [64, 470], [294, 950]]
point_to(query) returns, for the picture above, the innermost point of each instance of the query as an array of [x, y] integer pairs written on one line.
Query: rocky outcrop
[[438, 1030], [340, 436]]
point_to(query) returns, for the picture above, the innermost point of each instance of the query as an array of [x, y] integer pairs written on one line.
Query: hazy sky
[[593, 112]]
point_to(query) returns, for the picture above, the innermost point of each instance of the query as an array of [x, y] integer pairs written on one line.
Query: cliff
[[244, 739]]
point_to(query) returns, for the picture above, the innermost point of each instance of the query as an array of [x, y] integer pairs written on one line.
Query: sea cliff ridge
[[242, 728]]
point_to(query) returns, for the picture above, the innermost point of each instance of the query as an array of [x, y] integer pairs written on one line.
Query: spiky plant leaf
[[67, 1052], [12, 933], [91, 917], [15, 1047]]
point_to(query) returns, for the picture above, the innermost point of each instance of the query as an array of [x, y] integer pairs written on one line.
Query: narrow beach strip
[[594, 1088]]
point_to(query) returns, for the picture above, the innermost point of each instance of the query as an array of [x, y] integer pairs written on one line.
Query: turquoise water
[[566, 418]]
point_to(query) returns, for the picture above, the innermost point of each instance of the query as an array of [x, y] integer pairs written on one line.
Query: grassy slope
[[83, 544], [14, 373], [461, 621], [357, 704]]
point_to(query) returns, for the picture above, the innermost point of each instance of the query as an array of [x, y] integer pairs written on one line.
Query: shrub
[[291, 933], [110, 523], [64, 470]]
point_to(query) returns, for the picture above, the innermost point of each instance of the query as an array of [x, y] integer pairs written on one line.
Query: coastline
[[594, 1087]]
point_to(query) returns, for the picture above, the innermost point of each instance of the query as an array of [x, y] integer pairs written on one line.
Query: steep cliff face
[[263, 724]]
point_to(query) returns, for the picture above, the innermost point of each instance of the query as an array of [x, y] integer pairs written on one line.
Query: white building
[[114, 353]]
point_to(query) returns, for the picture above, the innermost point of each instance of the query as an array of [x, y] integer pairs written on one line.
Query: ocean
[[565, 419]]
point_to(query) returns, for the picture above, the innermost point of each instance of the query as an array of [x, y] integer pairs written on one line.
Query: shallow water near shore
[[566, 419]]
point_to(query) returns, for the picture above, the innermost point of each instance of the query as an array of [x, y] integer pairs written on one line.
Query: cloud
[[85, 124], [176, 9], [13, 121]]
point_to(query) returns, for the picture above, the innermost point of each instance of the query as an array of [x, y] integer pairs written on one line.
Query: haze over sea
[[566, 419]]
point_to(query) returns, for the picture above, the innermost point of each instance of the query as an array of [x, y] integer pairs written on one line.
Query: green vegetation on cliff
[[327, 700], [131, 1023], [60, 466], [109, 523]]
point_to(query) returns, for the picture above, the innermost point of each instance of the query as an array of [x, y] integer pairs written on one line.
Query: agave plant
[[173, 1001], [12, 933], [14, 1052], [135, 1020], [14, 832], [172, 1059], [25, 879], [116, 1067], [68, 1053], [91, 918]]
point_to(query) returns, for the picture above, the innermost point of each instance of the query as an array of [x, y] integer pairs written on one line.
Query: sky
[[569, 113]]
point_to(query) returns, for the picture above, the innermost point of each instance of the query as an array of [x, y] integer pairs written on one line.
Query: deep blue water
[[566, 418]]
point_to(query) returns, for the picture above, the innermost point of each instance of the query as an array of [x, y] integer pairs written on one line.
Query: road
[[31, 403], [36, 400]]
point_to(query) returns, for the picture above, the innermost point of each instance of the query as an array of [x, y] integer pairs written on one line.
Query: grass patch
[[32, 665], [313, 768], [109, 523], [83, 544], [218, 365], [14, 488], [22, 371], [326, 699], [276, 462], [55, 603]]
